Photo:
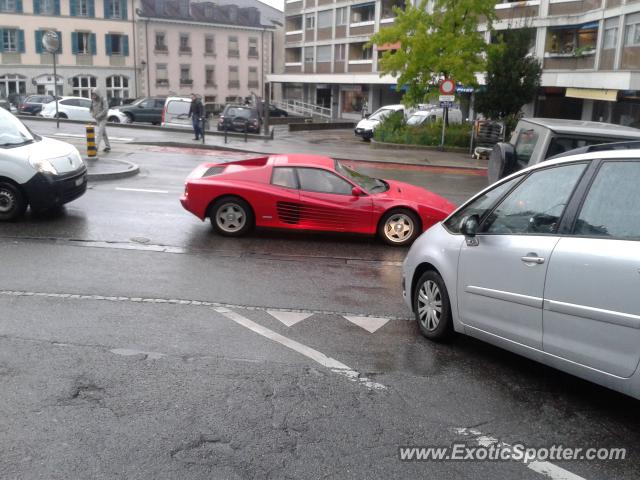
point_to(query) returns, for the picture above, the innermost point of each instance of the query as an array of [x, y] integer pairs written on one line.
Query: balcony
[[571, 48], [184, 51], [511, 10], [253, 85], [160, 49], [573, 8], [233, 53], [387, 14], [186, 82], [234, 84], [162, 82]]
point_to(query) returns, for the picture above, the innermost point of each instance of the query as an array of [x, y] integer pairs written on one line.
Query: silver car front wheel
[[431, 306]]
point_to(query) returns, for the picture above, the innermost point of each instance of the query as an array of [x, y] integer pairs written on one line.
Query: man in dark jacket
[[196, 113]]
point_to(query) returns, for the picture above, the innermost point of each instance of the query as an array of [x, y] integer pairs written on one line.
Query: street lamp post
[[51, 43]]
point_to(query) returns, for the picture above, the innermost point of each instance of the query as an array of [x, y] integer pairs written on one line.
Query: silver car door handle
[[532, 259]]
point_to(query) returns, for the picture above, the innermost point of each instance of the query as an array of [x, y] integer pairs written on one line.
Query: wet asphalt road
[[135, 343]]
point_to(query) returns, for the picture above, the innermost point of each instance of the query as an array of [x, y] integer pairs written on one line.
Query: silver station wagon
[[545, 263]]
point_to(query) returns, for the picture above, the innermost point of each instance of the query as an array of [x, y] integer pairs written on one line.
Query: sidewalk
[[339, 144]]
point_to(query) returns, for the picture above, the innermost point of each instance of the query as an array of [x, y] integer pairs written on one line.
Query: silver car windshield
[[13, 132]]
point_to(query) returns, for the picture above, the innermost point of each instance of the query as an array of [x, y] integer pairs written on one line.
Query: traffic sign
[[446, 104], [448, 87], [447, 98]]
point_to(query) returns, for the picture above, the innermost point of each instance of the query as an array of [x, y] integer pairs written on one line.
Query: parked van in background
[[176, 112], [433, 115], [366, 126]]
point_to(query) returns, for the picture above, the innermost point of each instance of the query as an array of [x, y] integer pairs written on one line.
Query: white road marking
[[144, 190], [78, 135], [370, 324], [548, 469], [319, 357], [288, 318]]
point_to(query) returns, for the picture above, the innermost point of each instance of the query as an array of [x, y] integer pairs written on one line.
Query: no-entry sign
[[447, 87]]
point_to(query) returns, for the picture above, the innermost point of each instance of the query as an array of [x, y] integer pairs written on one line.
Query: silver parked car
[[545, 263]]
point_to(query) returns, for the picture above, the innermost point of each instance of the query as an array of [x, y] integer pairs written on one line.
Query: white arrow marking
[[370, 324], [288, 318]]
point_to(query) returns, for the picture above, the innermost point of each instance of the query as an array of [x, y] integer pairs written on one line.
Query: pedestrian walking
[[196, 113], [100, 111]]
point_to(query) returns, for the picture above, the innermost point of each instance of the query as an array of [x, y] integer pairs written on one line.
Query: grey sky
[[279, 4]]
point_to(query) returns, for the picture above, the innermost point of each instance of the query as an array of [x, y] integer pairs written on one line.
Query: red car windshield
[[370, 184]]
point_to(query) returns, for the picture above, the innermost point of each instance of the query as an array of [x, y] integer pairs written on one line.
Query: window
[[325, 19], [367, 53], [610, 33], [7, 5], [116, 44], [233, 48], [284, 177], [632, 33], [83, 43], [525, 145], [342, 17], [48, 7], [162, 75], [612, 206], [572, 39], [253, 48], [323, 53], [185, 75], [10, 39], [161, 44], [117, 87], [209, 44], [308, 54], [184, 43], [114, 8], [536, 205], [253, 77], [310, 21], [480, 206], [12, 84], [83, 8], [363, 13], [210, 75], [322, 181], [82, 85], [234, 77], [340, 52]]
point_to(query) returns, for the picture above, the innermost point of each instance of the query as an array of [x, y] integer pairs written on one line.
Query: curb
[[404, 146], [130, 170]]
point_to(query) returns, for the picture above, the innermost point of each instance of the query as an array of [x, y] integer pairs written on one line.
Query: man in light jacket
[[100, 111]]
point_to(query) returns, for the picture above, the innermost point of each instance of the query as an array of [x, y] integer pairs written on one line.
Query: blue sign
[[446, 104], [465, 89]]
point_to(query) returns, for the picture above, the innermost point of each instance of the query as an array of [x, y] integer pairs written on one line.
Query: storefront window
[[354, 98]]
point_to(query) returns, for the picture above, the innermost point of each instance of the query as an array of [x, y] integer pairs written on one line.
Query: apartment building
[[95, 50], [222, 52], [589, 49]]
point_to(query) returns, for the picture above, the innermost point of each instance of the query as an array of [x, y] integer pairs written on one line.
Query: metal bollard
[[92, 148], [246, 128]]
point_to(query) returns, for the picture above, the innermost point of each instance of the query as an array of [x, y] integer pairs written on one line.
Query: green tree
[[438, 42], [513, 76]]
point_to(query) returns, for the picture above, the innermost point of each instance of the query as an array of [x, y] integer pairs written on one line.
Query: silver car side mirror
[[469, 228]]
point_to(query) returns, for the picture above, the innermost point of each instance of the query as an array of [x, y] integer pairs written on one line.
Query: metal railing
[[298, 107]]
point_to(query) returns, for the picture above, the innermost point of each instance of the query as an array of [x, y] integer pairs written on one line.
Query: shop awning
[[388, 46], [593, 94]]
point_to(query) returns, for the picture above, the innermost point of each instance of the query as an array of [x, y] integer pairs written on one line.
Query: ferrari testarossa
[[309, 192]]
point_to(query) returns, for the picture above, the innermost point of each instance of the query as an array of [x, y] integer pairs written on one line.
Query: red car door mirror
[[357, 192]]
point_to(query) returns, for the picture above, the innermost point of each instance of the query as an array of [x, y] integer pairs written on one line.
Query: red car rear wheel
[[231, 216]]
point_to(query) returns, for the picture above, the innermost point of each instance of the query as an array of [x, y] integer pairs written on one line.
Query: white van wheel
[[12, 202]]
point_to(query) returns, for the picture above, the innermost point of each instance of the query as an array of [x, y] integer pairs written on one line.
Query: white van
[[176, 112], [432, 115], [366, 126], [38, 172]]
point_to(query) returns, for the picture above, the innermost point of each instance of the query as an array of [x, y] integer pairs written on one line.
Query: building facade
[[590, 54], [222, 52], [589, 50], [95, 50]]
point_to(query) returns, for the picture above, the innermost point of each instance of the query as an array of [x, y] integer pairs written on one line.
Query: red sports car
[[308, 192]]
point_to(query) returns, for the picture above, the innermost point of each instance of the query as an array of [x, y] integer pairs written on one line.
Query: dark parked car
[[277, 112], [32, 105], [5, 104], [238, 118], [148, 109]]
